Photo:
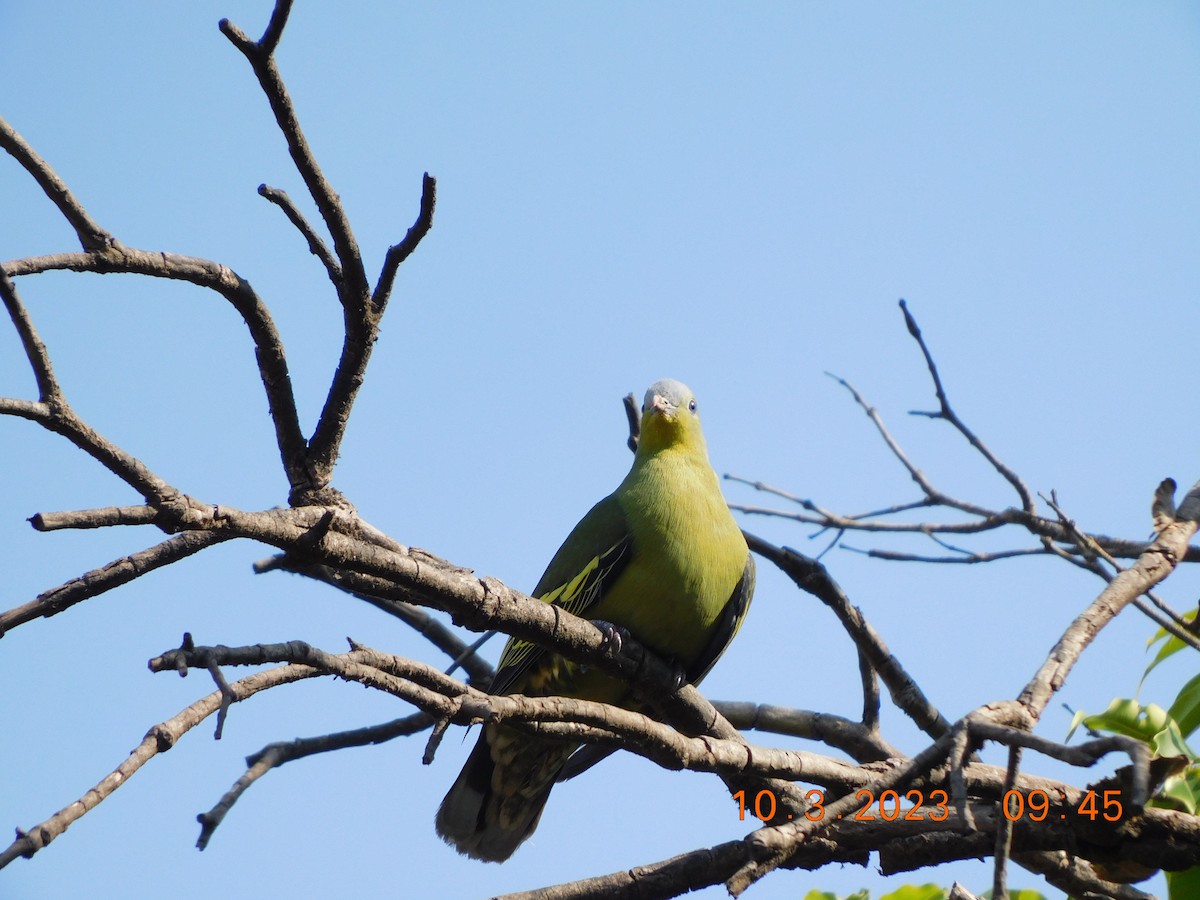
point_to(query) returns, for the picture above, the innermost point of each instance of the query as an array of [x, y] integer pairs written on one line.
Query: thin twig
[[35, 351], [268, 345], [959, 756], [274, 755], [970, 559], [990, 521], [994, 520], [1155, 564], [159, 739], [106, 517], [870, 686], [91, 235], [398, 253], [116, 573], [811, 576], [947, 412], [274, 30], [859, 741], [1004, 827], [316, 245], [1163, 510], [385, 596], [873, 414], [227, 697], [261, 57]]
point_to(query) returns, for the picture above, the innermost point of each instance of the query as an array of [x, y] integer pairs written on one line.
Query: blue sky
[[735, 196]]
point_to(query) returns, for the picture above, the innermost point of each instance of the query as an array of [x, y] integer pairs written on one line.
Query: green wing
[[584, 568], [732, 616]]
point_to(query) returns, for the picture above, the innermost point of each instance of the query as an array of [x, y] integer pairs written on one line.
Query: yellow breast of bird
[[688, 556]]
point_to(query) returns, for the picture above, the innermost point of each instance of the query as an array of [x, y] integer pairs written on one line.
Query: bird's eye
[[692, 405]]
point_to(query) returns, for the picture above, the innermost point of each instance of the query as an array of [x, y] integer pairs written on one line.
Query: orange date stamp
[[887, 804], [1034, 805]]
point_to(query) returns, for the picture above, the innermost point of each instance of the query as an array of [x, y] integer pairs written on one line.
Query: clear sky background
[[731, 195]]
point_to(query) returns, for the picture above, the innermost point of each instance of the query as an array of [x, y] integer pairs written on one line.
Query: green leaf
[[1183, 885], [1124, 716], [1076, 721], [1186, 708], [821, 895], [1181, 792], [1150, 724], [1169, 742], [1171, 646], [917, 892]]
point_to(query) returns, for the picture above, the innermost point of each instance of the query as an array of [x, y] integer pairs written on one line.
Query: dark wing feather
[[732, 616], [584, 568]]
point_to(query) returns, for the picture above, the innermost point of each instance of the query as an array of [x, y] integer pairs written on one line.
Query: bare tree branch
[[1057, 537], [1155, 564], [398, 253], [159, 739], [777, 841], [933, 495], [773, 844], [58, 416], [274, 32], [91, 235], [35, 351], [116, 573], [809, 575], [669, 878], [261, 57], [384, 595], [724, 751], [106, 517], [1004, 829], [970, 558], [580, 719], [274, 755], [902, 848], [316, 246], [269, 354], [361, 314], [945, 411], [1163, 513], [860, 741]]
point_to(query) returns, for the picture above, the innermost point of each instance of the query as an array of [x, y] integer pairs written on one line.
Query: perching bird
[[661, 557]]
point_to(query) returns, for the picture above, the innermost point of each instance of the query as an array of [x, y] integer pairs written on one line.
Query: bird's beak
[[660, 405]]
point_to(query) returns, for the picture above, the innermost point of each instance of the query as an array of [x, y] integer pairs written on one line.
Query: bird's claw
[[614, 636], [678, 674]]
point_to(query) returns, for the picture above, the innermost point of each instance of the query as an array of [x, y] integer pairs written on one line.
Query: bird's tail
[[495, 803]]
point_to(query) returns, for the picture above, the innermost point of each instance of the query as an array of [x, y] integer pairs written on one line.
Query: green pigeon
[[660, 557]]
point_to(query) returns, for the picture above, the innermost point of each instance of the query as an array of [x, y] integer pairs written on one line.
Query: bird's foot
[[614, 636], [678, 674]]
